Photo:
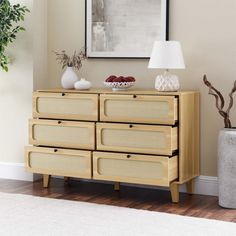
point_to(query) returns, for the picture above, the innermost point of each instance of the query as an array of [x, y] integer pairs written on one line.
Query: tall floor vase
[[227, 168]]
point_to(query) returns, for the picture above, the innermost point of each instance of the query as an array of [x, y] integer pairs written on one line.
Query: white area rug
[[33, 216]]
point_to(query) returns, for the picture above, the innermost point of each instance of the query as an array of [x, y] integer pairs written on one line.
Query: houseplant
[[226, 148], [69, 63], [10, 15]]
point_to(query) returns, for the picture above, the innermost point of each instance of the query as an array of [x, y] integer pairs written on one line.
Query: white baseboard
[[205, 185], [15, 171]]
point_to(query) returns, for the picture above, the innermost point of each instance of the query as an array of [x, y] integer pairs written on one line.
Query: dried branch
[[218, 93], [220, 101], [74, 61], [231, 101]]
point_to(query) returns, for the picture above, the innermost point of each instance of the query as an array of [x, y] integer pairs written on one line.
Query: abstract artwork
[[124, 28]]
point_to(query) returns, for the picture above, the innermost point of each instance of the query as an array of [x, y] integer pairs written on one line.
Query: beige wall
[[40, 47], [207, 32], [16, 88], [27, 71]]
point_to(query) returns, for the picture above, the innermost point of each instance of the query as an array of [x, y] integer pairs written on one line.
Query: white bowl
[[119, 86]]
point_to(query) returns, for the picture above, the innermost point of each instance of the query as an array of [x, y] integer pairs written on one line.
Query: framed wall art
[[124, 28]]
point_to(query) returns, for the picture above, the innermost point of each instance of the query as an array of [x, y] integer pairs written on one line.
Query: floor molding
[[204, 185], [15, 171]]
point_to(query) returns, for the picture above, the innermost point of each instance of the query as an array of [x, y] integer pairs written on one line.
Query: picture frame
[[125, 28]]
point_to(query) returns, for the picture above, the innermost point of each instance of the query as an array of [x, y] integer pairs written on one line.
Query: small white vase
[[82, 84], [69, 78]]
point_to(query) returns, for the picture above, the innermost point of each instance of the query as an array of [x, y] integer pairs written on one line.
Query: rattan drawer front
[[65, 106], [139, 109], [161, 140], [132, 168], [68, 134], [60, 162]]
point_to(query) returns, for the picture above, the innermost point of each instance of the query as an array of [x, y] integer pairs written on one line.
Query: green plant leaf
[[9, 14]]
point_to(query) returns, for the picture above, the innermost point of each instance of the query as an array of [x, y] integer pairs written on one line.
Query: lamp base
[[167, 82]]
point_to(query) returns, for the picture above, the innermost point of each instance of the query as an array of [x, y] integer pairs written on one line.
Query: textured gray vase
[[227, 168]]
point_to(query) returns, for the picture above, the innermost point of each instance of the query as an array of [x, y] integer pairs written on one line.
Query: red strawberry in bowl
[[119, 79], [130, 79], [111, 78], [118, 83]]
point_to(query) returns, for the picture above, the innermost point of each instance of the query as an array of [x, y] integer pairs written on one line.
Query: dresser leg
[[117, 186], [190, 186], [66, 179], [174, 188], [46, 180]]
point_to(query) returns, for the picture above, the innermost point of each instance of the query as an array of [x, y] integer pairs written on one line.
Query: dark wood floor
[[132, 197]]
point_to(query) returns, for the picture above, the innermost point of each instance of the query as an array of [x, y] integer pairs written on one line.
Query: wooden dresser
[[135, 136]]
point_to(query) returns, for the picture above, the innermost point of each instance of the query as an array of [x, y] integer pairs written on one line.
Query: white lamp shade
[[167, 55]]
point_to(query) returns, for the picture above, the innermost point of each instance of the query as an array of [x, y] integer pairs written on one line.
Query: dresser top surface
[[109, 91]]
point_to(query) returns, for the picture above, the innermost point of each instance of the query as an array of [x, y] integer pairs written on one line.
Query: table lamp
[[167, 55]]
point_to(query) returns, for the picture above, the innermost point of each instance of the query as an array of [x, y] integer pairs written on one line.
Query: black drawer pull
[[134, 96], [131, 126], [63, 94], [55, 150], [59, 122], [128, 156]]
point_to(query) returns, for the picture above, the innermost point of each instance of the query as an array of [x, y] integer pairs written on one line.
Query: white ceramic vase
[[227, 168], [82, 84], [69, 78]]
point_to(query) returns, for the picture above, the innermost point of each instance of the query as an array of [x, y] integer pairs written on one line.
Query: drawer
[[139, 109], [132, 168], [62, 162], [68, 134], [65, 106], [148, 139]]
